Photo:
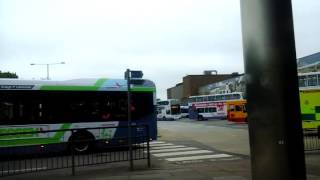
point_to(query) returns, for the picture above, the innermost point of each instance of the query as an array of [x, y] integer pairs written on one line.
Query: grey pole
[[275, 127], [129, 120]]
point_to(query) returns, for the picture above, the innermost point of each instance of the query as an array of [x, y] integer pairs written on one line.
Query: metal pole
[[72, 155], [129, 120], [148, 146], [275, 127], [47, 71]]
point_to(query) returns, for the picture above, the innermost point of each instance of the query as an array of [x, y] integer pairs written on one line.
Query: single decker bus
[[34, 105]]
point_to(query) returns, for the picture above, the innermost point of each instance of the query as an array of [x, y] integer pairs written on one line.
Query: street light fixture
[[47, 64]]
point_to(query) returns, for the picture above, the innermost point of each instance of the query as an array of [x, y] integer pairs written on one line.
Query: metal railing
[[312, 139], [40, 157]]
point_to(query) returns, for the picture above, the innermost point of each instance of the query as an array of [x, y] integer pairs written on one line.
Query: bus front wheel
[[81, 142], [200, 118]]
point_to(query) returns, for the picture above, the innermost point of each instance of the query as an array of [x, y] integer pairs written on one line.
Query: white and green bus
[[32, 105]]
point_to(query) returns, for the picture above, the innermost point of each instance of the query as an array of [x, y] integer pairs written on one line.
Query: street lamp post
[[47, 64]]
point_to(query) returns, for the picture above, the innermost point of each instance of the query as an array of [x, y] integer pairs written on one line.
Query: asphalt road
[[217, 134]]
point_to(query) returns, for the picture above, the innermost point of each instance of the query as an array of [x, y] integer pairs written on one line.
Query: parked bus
[[309, 86], [184, 111], [211, 106], [29, 105], [168, 109], [236, 111]]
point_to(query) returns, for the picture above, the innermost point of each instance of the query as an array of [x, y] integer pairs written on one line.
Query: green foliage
[[8, 75]]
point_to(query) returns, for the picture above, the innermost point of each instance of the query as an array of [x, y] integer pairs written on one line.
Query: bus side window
[[238, 108], [168, 112], [200, 110], [6, 111], [244, 108], [232, 107]]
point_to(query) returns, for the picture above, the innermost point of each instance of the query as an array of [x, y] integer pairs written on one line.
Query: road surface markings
[[23, 170], [211, 156], [181, 153], [172, 150], [155, 142], [161, 144], [168, 147]]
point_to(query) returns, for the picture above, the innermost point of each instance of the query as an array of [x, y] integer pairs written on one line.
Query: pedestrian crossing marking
[[188, 158], [172, 150], [157, 145], [182, 153], [155, 142], [168, 147]]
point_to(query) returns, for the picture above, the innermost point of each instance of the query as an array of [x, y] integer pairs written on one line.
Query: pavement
[[159, 170], [232, 169]]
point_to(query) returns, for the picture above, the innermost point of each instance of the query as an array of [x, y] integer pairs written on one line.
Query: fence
[[311, 139], [74, 153]]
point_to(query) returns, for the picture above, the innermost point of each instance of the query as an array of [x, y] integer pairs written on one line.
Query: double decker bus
[[309, 87], [211, 106], [168, 109], [30, 105]]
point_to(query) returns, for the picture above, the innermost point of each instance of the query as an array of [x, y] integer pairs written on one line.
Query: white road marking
[[24, 170], [211, 156], [172, 150], [157, 145], [182, 153], [168, 147], [155, 142]]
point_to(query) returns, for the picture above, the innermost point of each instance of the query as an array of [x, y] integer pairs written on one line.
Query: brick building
[[191, 83]]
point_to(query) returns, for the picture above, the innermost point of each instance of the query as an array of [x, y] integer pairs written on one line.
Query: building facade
[[191, 83]]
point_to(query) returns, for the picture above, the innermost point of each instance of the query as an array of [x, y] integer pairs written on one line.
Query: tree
[[8, 75]]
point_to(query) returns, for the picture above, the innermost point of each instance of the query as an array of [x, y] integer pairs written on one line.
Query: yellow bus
[[236, 111]]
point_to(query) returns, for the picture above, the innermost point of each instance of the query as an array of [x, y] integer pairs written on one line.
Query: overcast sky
[[167, 39]]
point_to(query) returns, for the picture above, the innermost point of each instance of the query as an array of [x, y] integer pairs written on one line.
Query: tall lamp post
[[48, 65]]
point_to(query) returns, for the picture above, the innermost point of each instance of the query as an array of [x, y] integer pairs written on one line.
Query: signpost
[[129, 76]]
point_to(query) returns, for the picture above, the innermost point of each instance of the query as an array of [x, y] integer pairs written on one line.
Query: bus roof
[[102, 84]]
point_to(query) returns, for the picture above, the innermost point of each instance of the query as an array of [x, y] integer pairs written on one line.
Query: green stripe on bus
[[143, 89], [36, 141], [94, 87], [100, 82]]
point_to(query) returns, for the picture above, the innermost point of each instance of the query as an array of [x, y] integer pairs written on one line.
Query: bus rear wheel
[[81, 142]]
